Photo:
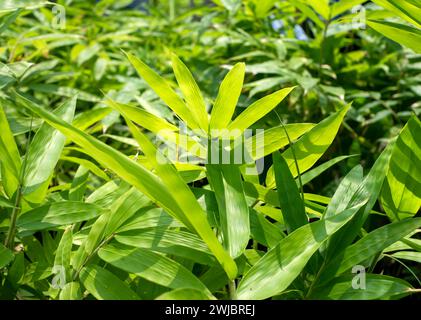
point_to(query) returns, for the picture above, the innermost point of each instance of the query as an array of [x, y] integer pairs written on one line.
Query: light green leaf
[[258, 109], [104, 285], [151, 266], [10, 157], [278, 268], [226, 101], [312, 145], [64, 250], [164, 91], [148, 183], [6, 256], [71, 291], [371, 244], [177, 243], [407, 36], [191, 92], [344, 5], [376, 287], [185, 294], [44, 153], [290, 201], [57, 214], [408, 255], [273, 139], [401, 194], [411, 12], [226, 182]]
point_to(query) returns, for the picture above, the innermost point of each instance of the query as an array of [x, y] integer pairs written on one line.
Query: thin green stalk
[[405, 266], [293, 154], [232, 290]]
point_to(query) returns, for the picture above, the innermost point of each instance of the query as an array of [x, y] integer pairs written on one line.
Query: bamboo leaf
[[104, 285], [191, 92], [290, 201], [228, 95], [44, 153], [405, 35], [164, 91], [225, 180], [278, 268], [258, 109], [151, 266], [375, 287], [401, 194], [57, 214]]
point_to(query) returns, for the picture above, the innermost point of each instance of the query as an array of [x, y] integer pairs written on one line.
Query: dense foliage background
[[87, 212]]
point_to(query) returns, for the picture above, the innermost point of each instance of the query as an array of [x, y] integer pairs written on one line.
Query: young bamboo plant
[[146, 231]]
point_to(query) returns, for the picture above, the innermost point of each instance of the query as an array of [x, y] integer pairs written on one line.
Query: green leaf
[[411, 12], [151, 266], [142, 117], [321, 7], [344, 5], [5, 203], [407, 36], [57, 214], [71, 291], [312, 145], [44, 153], [369, 189], [226, 182], [191, 92], [273, 139], [368, 246], [64, 250], [185, 294], [278, 268], [164, 91], [10, 159], [104, 285], [408, 255], [401, 194], [177, 243], [314, 173], [345, 191], [258, 110], [6, 256], [290, 201], [226, 101], [184, 206], [376, 287], [308, 12]]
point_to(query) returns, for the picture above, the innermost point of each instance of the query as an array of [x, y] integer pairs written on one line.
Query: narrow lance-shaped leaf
[[104, 285], [258, 109], [151, 266], [44, 153], [290, 201], [369, 188], [10, 157], [401, 194], [375, 287], [371, 244], [404, 9], [405, 35], [228, 95], [278, 268], [164, 91], [312, 145], [226, 182], [191, 92], [196, 218]]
